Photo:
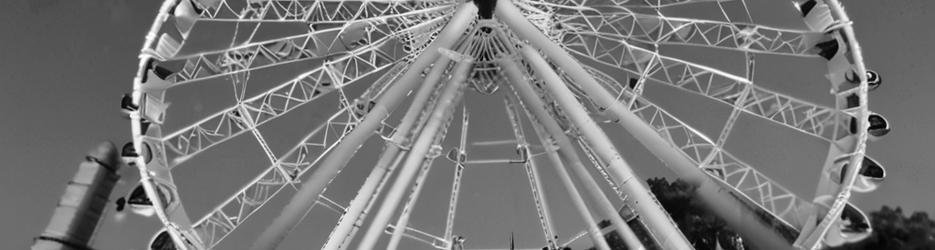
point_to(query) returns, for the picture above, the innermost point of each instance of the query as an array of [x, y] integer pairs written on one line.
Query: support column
[[305, 198], [450, 95], [558, 146], [391, 156], [643, 200]]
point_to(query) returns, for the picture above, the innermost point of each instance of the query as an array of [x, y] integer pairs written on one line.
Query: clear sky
[[65, 65]]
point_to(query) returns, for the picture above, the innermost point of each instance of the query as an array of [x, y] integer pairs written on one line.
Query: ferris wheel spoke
[[377, 45], [813, 119], [645, 204], [532, 174], [653, 29], [282, 54], [744, 180], [618, 53], [239, 33], [289, 38], [704, 152], [421, 236], [267, 106], [298, 160], [667, 3], [559, 148], [627, 3], [649, 138], [370, 122], [435, 127], [298, 10], [717, 163], [231, 213], [458, 156], [435, 150], [816, 120], [416, 190], [390, 158]]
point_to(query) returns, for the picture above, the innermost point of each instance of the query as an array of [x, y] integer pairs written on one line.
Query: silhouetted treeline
[[891, 228]]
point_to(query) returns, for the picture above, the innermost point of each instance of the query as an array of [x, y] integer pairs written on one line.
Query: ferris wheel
[[370, 119]]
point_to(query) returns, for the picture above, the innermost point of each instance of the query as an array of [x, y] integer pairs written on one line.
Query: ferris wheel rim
[[151, 188]]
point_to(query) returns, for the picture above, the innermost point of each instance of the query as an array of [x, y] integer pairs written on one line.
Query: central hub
[[485, 8]]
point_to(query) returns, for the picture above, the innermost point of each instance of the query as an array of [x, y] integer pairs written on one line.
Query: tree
[[893, 230], [704, 230]]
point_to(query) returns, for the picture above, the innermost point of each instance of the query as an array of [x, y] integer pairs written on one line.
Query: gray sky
[[66, 63]]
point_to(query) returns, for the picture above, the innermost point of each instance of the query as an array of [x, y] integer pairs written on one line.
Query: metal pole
[[596, 237], [390, 157], [719, 200], [450, 95], [532, 173], [456, 179], [554, 139], [403, 221], [305, 198], [644, 201], [79, 211]]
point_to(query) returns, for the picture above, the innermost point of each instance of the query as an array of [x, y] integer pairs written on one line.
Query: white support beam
[[593, 231], [449, 96], [390, 157], [644, 202], [316, 183], [739, 216], [560, 149], [621, 172], [535, 182]]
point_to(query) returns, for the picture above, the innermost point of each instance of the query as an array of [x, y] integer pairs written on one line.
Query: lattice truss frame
[[708, 155], [616, 37], [377, 31], [622, 40], [376, 52], [810, 118], [387, 28], [604, 27]]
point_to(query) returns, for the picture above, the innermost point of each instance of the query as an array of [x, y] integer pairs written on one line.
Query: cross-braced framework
[[560, 67]]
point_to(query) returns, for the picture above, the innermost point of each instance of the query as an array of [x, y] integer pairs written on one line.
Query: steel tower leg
[[718, 199], [305, 198], [558, 146], [449, 96], [645, 203], [391, 156]]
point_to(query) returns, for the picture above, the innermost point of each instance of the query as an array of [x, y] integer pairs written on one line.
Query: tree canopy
[[891, 228]]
